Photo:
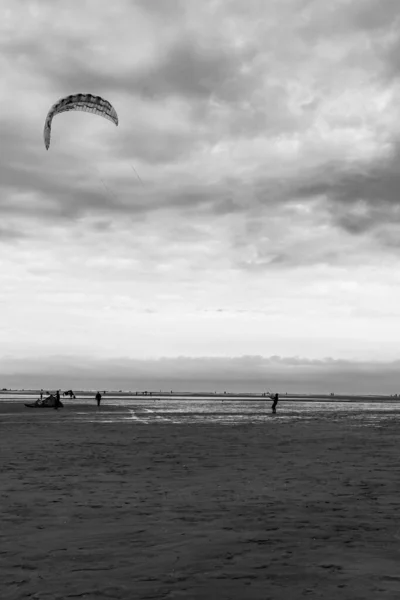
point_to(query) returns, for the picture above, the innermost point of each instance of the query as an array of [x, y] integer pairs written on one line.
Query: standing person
[[41, 394], [57, 402], [98, 398], [275, 402]]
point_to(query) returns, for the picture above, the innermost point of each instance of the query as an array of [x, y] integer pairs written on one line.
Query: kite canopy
[[84, 102]]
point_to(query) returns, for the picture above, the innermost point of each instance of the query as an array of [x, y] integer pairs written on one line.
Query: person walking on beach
[[98, 398], [275, 402]]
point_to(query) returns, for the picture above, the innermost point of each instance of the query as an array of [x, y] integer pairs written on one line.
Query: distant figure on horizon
[[41, 394], [275, 402], [98, 398], [57, 402]]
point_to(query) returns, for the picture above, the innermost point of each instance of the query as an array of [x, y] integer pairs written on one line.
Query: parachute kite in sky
[[85, 102]]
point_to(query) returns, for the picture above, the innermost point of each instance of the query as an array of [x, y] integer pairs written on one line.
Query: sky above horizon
[[266, 219]]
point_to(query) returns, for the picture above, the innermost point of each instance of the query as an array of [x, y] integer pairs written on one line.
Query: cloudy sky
[[260, 246]]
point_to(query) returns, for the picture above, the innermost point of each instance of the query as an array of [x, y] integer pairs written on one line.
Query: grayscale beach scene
[[199, 300]]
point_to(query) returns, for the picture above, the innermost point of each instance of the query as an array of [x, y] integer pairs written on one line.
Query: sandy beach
[[279, 510]]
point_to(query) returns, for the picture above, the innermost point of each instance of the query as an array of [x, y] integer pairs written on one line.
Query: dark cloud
[[171, 10], [277, 261], [62, 62], [291, 260], [103, 226], [157, 146], [360, 197], [348, 18], [195, 71], [369, 28], [186, 67], [374, 14], [390, 55], [10, 234]]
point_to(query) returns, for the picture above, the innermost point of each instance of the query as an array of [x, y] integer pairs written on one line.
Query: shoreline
[[80, 395]]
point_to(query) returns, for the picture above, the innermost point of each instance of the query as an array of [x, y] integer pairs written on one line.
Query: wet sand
[[278, 510]]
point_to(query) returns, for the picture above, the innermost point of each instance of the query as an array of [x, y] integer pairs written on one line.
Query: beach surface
[[268, 510]]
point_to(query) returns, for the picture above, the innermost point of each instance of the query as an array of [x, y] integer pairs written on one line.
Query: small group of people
[[58, 403]]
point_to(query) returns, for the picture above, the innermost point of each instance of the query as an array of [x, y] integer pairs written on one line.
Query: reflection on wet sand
[[229, 412]]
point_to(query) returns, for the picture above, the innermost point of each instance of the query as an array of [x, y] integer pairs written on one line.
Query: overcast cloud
[[266, 218]]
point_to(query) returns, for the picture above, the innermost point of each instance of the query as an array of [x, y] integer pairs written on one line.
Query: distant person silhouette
[[57, 402], [274, 404], [98, 398]]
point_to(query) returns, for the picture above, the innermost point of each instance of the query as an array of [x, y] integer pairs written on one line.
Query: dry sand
[[268, 511]]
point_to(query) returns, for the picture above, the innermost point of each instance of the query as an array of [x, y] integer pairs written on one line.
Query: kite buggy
[[49, 402]]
